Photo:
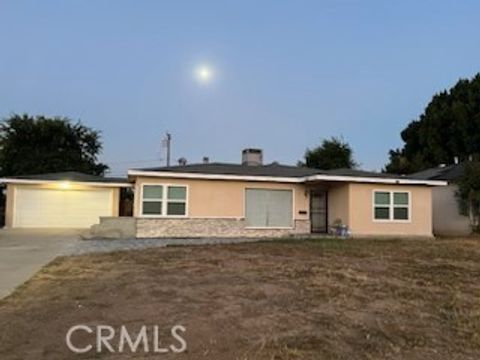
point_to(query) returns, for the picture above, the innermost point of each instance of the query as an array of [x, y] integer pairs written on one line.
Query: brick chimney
[[252, 157]]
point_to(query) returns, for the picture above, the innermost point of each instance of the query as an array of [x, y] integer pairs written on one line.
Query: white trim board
[[58, 182], [298, 180], [168, 174]]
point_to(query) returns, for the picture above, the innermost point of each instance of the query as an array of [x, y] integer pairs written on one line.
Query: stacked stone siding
[[211, 227]]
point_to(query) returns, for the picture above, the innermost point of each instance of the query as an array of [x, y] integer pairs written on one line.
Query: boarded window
[[268, 208]]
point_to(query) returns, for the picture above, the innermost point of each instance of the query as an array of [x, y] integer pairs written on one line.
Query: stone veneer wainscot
[[211, 227]]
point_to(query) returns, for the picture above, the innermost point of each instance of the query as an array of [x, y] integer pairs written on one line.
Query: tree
[[35, 145], [468, 193], [448, 128], [331, 154]]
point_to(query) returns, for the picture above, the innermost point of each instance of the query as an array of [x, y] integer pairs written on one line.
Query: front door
[[318, 211]]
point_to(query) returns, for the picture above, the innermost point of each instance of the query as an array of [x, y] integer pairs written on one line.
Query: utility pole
[[168, 140]]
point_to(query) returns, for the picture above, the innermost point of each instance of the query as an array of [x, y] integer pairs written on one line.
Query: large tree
[[35, 145], [448, 128], [332, 153], [468, 194]]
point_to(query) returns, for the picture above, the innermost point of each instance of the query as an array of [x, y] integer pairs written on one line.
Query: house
[[255, 200], [447, 219], [61, 200], [228, 200]]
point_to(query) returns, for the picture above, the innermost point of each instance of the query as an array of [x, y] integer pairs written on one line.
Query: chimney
[[205, 160], [182, 161], [252, 157]]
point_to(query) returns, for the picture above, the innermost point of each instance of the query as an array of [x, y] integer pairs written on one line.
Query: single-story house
[[447, 219], [61, 200], [229, 200], [256, 200]]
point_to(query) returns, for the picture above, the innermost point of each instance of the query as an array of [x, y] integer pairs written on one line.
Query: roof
[[272, 172], [356, 173], [447, 173], [274, 169], [72, 176]]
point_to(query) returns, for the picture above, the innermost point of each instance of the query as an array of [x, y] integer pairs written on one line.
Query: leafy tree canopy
[[448, 128], [35, 145], [332, 153], [468, 193]]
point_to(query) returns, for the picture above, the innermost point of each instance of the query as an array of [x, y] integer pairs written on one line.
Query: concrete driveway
[[24, 252]]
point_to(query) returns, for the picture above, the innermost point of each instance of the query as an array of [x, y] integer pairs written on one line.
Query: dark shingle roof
[[358, 173], [71, 176], [274, 170], [237, 169], [448, 173]]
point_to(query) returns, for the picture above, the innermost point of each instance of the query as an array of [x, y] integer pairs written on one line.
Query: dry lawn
[[318, 299]]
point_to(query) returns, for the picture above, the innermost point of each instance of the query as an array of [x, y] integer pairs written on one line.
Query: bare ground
[[322, 299]]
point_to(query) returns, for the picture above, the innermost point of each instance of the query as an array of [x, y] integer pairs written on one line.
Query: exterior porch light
[[64, 185]]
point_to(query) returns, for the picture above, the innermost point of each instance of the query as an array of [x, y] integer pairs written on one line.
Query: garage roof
[[71, 176]]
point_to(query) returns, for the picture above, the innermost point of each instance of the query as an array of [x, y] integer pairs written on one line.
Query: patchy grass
[[327, 299]]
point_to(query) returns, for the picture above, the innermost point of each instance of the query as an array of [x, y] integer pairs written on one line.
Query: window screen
[[268, 208]]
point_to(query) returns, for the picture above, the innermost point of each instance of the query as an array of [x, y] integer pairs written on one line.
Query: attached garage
[[63, 200]]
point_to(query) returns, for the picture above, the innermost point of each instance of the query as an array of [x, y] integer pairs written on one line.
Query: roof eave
[[171, 174], [75, 182], [302, 179], [378, 180]]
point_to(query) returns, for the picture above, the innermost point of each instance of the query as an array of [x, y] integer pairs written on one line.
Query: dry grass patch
[[328, 299]]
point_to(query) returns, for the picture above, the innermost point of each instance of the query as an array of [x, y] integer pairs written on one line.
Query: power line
[[132, 161]]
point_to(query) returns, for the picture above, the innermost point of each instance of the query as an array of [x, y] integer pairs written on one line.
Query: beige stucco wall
[[350, 202], [446, 217], [223, 198], [9, 208], [338, 203], [361, 221], [115, 202]]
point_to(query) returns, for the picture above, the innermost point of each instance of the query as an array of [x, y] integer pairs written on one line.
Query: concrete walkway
[[24, 252]]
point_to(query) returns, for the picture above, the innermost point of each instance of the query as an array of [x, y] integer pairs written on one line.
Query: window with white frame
[[391, 205], [164, 200]]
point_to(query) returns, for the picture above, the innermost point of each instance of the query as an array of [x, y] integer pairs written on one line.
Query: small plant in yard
[[338, 228]]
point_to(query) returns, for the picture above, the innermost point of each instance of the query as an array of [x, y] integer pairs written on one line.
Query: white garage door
[[46, 208]]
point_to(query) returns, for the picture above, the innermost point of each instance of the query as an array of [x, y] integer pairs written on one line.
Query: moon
[[204, 73]]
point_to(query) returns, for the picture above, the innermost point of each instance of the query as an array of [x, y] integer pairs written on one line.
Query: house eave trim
[[73, 182], [305, 179], [362, 179], [168, 174]]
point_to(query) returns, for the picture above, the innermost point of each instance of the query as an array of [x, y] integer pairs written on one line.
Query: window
[[268, 208], [176, 200], [391, 205], [152, 200], [164, 200]]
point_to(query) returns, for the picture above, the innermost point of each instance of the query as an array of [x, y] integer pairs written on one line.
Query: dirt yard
[[323, 299]]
